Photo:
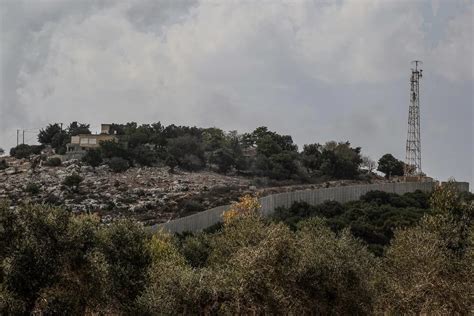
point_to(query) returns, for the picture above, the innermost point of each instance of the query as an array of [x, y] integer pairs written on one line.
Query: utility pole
[[23, 137], [413, 145], [17, 137]]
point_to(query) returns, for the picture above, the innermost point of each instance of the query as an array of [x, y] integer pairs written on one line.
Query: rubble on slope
[[148, 194]]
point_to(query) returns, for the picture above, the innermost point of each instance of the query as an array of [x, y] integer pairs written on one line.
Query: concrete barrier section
[[202, 220]]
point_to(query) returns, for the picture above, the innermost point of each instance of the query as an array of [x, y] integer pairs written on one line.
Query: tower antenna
[[413, 146]]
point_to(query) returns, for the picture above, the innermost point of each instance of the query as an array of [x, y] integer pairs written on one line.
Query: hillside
[[148, 194]]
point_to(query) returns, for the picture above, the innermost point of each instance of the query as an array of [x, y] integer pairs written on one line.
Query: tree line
[[261, 153], [53, 262]]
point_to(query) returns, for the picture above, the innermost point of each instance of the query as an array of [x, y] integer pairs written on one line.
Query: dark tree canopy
[[390, 166], [262, 153]]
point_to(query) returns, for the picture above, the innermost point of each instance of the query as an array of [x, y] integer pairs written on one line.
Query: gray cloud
[[318, 71]]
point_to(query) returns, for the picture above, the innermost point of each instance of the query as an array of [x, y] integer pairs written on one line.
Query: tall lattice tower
[[413, 148]]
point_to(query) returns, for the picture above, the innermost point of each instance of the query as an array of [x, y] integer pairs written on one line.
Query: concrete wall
[[202, 220]]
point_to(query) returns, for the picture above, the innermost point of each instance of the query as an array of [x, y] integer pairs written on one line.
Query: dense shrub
[[193, 206], [3, 164], [25, 151], [117, 164], [73, 181], [110, 149], [261, 153], [63, 264], [56, 263], [93, 157], [53, 162], [32, 188], [373, 218], [144, 155], [187, 151]]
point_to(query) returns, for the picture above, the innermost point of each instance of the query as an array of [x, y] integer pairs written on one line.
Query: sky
[[317, 70]]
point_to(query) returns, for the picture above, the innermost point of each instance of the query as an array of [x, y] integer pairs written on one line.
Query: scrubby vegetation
[[52, 162], [53, 262], [372, 219], [261, 153], [25, 151], [3, 164]]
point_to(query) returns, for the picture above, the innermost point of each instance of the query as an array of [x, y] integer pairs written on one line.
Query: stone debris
[[148, 194]]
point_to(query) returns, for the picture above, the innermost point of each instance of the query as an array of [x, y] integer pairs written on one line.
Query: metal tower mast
[[413, 147]]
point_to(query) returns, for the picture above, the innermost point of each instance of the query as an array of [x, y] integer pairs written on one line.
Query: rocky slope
[[149, 194]]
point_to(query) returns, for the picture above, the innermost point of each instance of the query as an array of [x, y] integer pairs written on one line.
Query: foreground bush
[[56, 263], [257, 267]]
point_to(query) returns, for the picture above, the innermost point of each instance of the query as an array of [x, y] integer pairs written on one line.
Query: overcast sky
[[317, 70]]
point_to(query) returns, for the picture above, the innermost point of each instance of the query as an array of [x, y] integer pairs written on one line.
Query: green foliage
[[53, 162], [390, 166], [340, 160], [423, 274], [118, 164], [223, 158], [55, 136], [111, 149], [76, 128], [193, 206], [32, 188], [25, 151], [47, 134], [187, 151], [372, 219], [124, 246], [93, 157], [311, 157], [262, 153], [56, 263], [73, 181], [3, 164], [255, 267], [144, 155]]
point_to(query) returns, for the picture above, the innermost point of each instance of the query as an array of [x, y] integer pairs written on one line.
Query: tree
[[46, 135], [111, 149], [2, 151], [55, 136], [340, 160], [223, 158], [76, 128], [428, 269], [53, 263], [93, 157], [188, 152], [368, 163], [390, 166], [311, 156], [124, 246], [144, 155]]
